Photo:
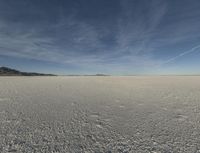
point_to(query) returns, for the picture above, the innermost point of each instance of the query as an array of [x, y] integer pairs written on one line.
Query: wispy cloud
[[181, 55], [135, 32], [77, 42], [118, 36]]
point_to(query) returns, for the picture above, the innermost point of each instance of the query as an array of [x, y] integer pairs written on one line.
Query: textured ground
[[100, 114]]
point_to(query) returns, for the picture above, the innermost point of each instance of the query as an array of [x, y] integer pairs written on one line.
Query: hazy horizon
[[115, 37]]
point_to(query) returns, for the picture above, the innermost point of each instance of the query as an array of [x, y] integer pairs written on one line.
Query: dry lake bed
[[141, 114]]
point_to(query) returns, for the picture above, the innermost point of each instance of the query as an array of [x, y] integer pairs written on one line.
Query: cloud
[[74, 41], [181, 55], [121, 35], [135, 31]]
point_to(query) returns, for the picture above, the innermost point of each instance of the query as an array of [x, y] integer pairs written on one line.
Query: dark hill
[[5, 71]]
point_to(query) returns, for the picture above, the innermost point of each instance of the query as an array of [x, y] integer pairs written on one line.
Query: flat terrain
[[150, 114]]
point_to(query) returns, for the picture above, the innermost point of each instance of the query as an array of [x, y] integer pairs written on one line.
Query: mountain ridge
[[6, 71]]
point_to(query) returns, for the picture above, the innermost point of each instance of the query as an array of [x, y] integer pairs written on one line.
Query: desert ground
[[136, 114]]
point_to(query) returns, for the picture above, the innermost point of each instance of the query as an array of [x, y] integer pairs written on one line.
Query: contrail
[[182, 54]]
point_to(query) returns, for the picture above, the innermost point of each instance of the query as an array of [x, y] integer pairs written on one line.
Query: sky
[[117, 37]]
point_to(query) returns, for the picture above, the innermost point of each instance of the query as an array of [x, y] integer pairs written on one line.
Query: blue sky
[[120, 37]]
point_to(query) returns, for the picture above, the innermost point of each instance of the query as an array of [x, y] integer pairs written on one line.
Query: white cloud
[[181, 54]]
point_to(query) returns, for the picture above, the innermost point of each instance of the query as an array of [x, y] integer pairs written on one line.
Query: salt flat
[[141, 114]]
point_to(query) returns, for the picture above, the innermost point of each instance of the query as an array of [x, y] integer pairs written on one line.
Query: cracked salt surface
[[100, 114]]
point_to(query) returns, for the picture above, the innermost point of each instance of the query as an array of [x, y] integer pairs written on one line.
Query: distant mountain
[[101, 75], [5, 71]]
